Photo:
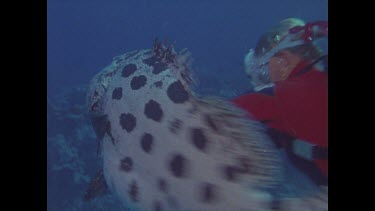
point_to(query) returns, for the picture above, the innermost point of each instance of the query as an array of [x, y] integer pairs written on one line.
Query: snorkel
[[256, 66]]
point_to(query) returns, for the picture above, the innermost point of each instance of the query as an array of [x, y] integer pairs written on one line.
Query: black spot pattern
[[126, 164], [177, 93], [128, 70], [133, 191], [210, 123], [117, 93], [138, 82], [208, 193], [158, 84], [177, 165], [175, 126], [231, 172], [159, 67], [157, 206], [146, 142], [127, 122], [244, 165], [199, 139], [153, 111], [162, 185]]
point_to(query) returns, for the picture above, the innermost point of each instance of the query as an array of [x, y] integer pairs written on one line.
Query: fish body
[[166, 148]]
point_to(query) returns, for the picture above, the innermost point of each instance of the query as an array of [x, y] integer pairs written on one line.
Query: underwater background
[[84, 35]]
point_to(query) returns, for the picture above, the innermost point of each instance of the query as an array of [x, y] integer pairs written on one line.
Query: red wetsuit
[[298, 107]]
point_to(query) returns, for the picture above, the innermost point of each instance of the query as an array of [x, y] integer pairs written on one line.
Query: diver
[[289, 75]]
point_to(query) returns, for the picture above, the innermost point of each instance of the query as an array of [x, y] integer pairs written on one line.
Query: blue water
[[84, 35]]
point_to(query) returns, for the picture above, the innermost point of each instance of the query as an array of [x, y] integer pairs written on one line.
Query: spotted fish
[[164, 147]]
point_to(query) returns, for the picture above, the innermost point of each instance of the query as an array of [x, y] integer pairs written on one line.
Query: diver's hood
[[257, 66]]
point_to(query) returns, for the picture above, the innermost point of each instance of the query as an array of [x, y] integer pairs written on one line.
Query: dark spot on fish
[[128, 70], [177, 165], [199, 139], [158, 84], [177, 93], [133, 191], [159, 67], [208, 193], [162, 185], [153, 110], [117, 93], [244, 165], [157, 206], [175, 126], [126, 164], [96, 93], [137, 82], [229, 173], [127, 122], [146, 142], [210, 122]]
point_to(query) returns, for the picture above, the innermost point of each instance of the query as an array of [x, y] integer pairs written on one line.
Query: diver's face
[[255, 70], [282, 64]]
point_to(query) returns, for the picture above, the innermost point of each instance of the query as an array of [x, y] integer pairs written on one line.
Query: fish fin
[[239, 128], [97, 187]]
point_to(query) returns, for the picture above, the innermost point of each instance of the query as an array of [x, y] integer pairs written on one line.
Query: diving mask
[[256, 66]]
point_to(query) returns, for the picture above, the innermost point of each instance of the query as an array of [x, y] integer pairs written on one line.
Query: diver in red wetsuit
[[291, 95]]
